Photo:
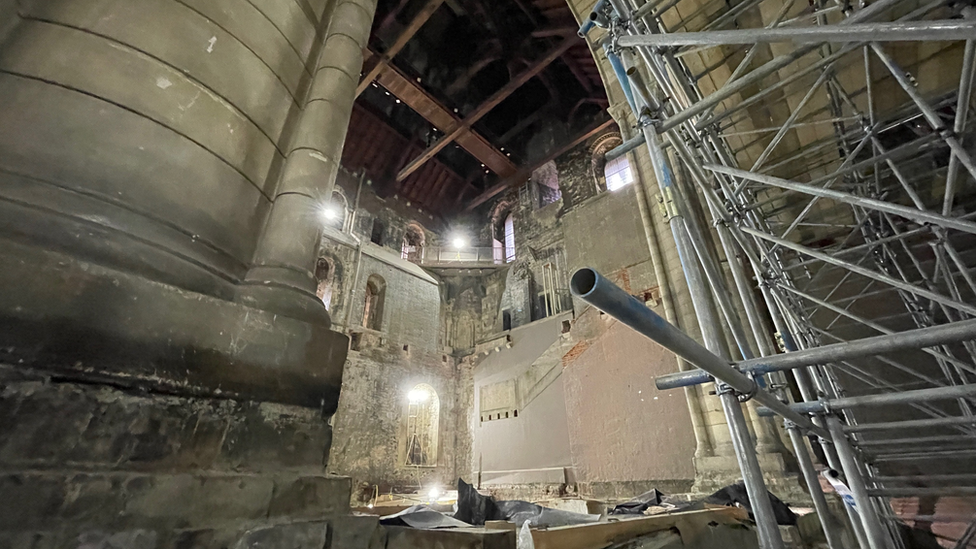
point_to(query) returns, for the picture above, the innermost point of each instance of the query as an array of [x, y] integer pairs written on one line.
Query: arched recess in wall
[[598, 151], [464, 333], [337, 211], [503, 230], [374, 301], [378, 233], [423, 419], [325, 275], [413, 241]]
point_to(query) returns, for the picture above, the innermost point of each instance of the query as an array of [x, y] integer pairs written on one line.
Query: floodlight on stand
[[459, 242]]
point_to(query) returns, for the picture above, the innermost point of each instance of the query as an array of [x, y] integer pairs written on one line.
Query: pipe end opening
[[583, 281]]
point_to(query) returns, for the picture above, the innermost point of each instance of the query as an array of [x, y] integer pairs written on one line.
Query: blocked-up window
[[618, 173], [376, 235], [423, 415]]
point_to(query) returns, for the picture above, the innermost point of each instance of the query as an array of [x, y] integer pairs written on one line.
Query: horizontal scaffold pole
[[902, 341], [599, 292], [928, 31]]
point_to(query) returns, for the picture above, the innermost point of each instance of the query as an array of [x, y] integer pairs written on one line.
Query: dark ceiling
[[462, 98]]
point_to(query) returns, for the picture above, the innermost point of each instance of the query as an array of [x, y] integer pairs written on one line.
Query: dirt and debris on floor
[[649, 521], [468, 519]]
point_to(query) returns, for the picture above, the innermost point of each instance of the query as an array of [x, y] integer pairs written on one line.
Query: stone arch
[[339, 207], [373, 303], [422, 425], [414, 239], [503, 230], [325, 274], [499, 212], [598, 152]]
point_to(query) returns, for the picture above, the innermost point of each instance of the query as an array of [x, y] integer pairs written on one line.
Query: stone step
[[41, 509]]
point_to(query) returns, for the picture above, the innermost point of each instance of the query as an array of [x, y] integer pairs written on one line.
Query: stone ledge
[[51, 425], [340, 532], [54, 500], [82, 321]]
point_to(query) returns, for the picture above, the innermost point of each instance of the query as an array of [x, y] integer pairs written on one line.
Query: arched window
[[509, 239], [618, 173], [413, 241], [324, 274], [423, 415], [373, 306], [504, 249], [335, 211]]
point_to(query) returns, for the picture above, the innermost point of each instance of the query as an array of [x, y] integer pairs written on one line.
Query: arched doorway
[[423, 417]]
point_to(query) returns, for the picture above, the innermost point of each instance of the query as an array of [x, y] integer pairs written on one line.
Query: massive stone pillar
[[281, 277], [160, 162], [160, 166]]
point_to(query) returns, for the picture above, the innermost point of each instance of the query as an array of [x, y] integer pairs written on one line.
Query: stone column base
[[82, 321], [716, 472]]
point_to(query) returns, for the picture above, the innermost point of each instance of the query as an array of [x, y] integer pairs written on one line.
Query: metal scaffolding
[[855, 247]]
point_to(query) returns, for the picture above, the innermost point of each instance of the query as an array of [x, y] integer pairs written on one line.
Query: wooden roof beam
[[417, 98], [411, 29], [487, 106], [574, 68]]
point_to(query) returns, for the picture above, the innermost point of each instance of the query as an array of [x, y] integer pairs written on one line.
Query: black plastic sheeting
[[474, 508], [654, 498], [521, 512], [422, 517], [735, 494], [638, 505]]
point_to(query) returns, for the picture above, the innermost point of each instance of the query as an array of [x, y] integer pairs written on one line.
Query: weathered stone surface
[[107, 324], [309, 497], [28, 501], [409, 538], [309, 535], [370, 428], [139, 82], [50, 424], [141, 406], [190, 42], [357, 532], [189, 500], [86, 463], [223, 210]]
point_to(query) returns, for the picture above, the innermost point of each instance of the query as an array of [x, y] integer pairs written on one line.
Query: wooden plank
[[690, 526]]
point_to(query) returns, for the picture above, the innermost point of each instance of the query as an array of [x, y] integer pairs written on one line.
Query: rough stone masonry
[[167, 374]]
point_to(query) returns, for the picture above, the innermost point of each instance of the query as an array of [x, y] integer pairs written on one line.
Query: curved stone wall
[[161, 164], [153, 125]]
